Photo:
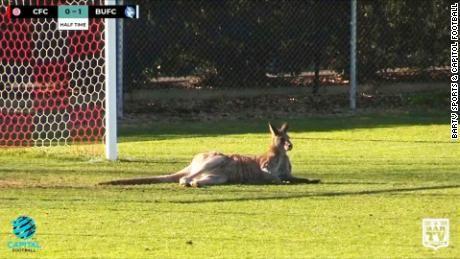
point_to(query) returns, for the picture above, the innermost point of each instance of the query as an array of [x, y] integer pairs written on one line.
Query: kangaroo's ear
[[284, 127], [273, 130]]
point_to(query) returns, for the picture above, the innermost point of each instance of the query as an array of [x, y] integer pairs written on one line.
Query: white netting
[[51, 82]]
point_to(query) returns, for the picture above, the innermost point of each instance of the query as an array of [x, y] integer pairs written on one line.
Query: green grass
[[381, 176]]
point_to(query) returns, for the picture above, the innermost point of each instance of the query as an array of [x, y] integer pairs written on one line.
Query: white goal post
[[111, 151]]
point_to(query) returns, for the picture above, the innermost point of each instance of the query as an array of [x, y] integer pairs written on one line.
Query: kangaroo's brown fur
[[216, 168]]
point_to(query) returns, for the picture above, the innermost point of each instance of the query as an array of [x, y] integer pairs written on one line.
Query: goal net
[[52, 82]]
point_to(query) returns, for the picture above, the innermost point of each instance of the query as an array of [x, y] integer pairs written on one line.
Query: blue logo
[[24, 227], [130, 12]]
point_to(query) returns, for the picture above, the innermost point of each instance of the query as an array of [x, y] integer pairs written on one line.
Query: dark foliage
[[237, 43]]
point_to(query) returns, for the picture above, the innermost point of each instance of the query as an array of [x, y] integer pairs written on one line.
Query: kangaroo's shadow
[[321, 194], [295, 181]]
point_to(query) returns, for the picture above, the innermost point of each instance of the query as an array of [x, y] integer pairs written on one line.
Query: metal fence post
[[120, 65], [353, 86]]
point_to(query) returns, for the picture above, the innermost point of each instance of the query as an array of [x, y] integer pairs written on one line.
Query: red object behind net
[[51, 82]]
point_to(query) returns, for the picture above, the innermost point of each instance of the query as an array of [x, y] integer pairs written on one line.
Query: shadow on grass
[[352, 183], [322, 194], [161, 131]]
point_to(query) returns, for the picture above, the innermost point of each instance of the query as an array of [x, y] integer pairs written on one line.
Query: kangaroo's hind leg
[[200, 165], [208, 180]]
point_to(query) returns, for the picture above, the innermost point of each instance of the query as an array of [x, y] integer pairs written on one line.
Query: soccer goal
[[57, 87]]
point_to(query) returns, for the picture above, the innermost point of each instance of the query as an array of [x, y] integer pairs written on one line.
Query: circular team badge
[[16, 11], [24, 227], [130, 12]]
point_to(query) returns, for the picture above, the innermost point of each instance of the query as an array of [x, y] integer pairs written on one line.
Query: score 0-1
[[68, 10]]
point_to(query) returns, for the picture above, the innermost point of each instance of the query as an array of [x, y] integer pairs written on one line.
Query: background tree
[[236, 43]]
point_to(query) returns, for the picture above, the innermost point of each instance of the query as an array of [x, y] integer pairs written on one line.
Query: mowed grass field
[[381, 175]]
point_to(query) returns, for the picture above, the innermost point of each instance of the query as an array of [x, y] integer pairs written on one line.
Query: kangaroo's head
[[280, 138]]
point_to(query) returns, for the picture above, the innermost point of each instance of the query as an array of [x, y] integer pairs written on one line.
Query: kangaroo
[[211, 168]]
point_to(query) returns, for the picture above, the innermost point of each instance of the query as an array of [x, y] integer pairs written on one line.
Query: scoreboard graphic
[[73, 17]]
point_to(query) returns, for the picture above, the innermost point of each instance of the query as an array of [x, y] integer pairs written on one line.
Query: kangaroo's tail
[[171, 178]]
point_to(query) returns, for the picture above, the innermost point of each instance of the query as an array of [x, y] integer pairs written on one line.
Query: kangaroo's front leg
[[267, 177], [293, 179]]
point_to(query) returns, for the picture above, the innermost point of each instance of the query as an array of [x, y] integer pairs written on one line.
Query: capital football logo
[[24, 227]]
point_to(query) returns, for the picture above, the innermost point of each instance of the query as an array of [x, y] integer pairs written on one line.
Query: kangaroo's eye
[[283, 139]]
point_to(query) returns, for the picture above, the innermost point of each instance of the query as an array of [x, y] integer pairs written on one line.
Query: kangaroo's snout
[[288, 145]]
